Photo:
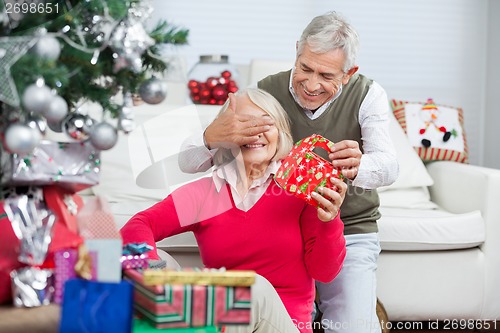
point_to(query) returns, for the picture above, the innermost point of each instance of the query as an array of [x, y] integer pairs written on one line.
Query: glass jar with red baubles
[[211, 79]]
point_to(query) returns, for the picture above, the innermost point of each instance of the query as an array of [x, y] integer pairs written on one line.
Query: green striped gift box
[[184, 305]]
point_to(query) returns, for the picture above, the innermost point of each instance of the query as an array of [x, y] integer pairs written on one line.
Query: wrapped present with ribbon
[[302, 171], [135, 256], [204, 277], [72, 165], [142, 325], [71, 264], [32, 223], [189, 305], [98, 227], [30, 234]]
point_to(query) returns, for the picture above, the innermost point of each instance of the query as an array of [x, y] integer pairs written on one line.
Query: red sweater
[[280, 238]]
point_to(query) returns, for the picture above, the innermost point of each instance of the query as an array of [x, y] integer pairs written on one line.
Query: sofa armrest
[[461, 188]]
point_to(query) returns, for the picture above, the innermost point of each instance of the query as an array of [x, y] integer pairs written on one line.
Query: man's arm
[[377, 165], [229, 129], [194, 156]]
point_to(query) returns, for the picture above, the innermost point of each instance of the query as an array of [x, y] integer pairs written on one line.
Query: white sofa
[[439, 231]]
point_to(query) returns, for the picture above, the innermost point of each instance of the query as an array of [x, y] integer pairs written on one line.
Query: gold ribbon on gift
[[203, 277], [83, 267]]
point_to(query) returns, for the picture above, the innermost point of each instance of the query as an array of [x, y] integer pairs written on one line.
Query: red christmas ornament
[[195, 91], [219, 92], [232, 89], [442, 129], [205, 93], [422, 130], [212, 82], [214, 90], [192, 84]]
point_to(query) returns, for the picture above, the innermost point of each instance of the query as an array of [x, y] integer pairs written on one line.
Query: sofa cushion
[[143, 165], [412, 171], [433, 122], [432, 229], [417, 197]]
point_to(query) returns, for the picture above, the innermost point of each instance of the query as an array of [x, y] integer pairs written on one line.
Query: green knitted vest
[[359, 211]]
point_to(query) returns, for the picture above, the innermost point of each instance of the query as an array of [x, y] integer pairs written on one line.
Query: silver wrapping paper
[[32, 287], [32, 223], [72, 165]]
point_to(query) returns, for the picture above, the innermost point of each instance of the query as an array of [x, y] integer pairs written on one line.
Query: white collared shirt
[[228, 174]]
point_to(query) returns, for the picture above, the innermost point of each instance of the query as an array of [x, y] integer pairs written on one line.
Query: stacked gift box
[[191, 297]]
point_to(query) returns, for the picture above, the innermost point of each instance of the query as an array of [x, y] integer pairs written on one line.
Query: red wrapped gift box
[[302, 171], [186, 305]]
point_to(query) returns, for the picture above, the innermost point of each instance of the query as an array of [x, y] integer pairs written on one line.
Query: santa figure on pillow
[[430, 116]]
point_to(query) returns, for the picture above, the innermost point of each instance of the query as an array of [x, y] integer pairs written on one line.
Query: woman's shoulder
[[198, 186]]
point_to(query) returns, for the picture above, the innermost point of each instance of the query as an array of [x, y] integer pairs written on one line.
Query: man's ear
[[350, 72]]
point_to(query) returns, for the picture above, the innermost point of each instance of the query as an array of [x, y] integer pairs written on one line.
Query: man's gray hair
[[328, 32]]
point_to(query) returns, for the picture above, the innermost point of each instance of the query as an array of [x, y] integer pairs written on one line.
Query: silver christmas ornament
[[20, 138], [37, 97], [77, 126], [103, 136], [47, 47], [57, 110], [153, 91], [38, 124], [56, 127]]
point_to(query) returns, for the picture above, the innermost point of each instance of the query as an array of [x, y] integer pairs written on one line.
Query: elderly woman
[[243, 221]]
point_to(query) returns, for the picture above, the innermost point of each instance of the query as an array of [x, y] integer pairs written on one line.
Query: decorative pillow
[[412, 171], [435, 131]]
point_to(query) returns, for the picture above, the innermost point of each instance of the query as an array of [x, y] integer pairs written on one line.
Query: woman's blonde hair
[[273, 108]]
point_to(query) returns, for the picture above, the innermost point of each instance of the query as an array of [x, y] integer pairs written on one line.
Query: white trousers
[[268, 314], [348, 303]]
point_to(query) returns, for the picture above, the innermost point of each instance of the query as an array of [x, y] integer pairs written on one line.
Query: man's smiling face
[[318, 76]]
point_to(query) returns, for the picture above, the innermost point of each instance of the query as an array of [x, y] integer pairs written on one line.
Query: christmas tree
[[69, 68], [58, 56]]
